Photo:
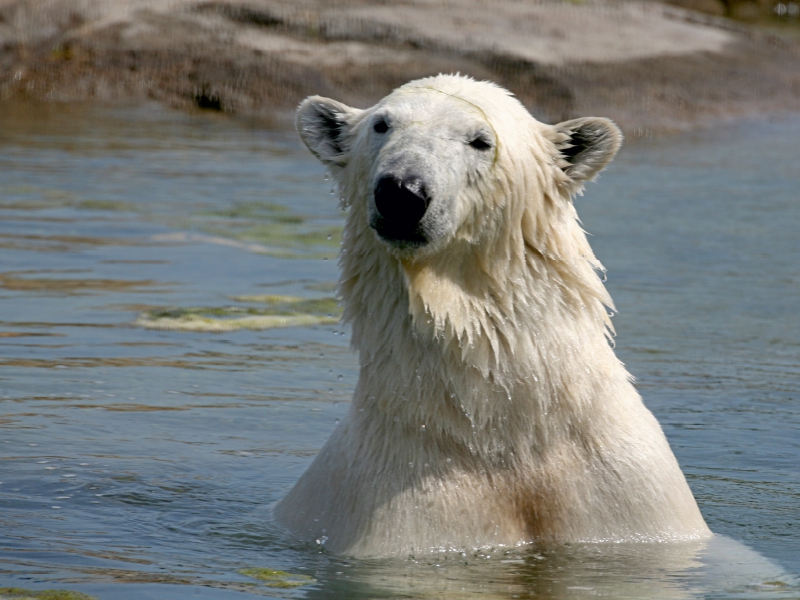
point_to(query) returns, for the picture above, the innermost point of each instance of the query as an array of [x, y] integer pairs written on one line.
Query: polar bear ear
[[586, 146], [323, 125]]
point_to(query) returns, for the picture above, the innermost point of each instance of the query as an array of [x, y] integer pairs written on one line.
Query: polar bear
[[490, 410]]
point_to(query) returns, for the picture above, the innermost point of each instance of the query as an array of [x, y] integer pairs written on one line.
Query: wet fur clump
[[490, 408]]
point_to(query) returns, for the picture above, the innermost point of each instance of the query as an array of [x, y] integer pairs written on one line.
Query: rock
[[648, 65]]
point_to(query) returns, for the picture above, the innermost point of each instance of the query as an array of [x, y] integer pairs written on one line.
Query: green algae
[[293, 304], [279, 311], [278, 579], [322, 286], [108, 205], [70, 286], [13, 593], [283, 233], [256, 211], [198, 323], [31, 198]]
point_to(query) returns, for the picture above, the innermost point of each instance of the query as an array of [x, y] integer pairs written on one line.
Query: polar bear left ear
[[323, 125], [586, 146]]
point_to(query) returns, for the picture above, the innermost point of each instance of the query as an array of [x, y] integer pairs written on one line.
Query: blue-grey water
[[140, 462]]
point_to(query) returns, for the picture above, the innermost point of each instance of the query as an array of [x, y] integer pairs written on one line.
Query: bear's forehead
[[420, 104], [457, 102]]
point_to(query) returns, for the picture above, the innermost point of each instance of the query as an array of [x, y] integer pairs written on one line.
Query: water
[[140, 462]]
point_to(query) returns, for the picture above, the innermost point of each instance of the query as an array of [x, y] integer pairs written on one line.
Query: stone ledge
[[648, 65]]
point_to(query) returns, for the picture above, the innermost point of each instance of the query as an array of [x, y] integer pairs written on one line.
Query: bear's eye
[[480, 143], [380, 126]]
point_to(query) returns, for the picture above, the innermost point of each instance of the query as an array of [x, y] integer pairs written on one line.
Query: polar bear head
[[448, 157], [461, 217]]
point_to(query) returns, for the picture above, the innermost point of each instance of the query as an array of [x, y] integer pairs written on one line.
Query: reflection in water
[[150, 457], [676, 571], [64, 285]]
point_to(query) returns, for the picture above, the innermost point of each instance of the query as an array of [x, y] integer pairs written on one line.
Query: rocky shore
[[650, 66]]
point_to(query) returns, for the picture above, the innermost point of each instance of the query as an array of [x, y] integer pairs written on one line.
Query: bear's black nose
[[400, 204]]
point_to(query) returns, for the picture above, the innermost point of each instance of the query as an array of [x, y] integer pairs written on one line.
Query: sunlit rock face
[[647, 65], [490, 409]]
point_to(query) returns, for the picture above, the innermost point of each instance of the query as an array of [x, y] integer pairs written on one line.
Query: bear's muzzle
[[400, 205]]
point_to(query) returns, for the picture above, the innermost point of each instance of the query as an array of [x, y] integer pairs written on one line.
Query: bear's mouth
[[403, 238], [400, 205]]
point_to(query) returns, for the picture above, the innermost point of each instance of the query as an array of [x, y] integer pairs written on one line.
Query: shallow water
[[140, 462]]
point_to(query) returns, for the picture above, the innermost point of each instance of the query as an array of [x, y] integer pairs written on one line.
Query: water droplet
[[330, 237], [336, 422], [341, 377], [422, 427], [330, 390], [321, 541], [449, 461]]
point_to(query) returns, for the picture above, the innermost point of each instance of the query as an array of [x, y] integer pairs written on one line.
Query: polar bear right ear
[[323, 125], [586, 146]]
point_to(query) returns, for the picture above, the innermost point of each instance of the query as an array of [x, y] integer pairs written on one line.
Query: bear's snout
[[400, 205]]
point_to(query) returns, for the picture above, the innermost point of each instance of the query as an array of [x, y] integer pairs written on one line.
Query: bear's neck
[[473, 353]]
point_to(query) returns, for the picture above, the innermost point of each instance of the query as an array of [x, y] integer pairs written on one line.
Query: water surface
[[139, 462]]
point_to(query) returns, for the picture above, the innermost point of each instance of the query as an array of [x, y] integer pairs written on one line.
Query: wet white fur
[[490, 408]]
